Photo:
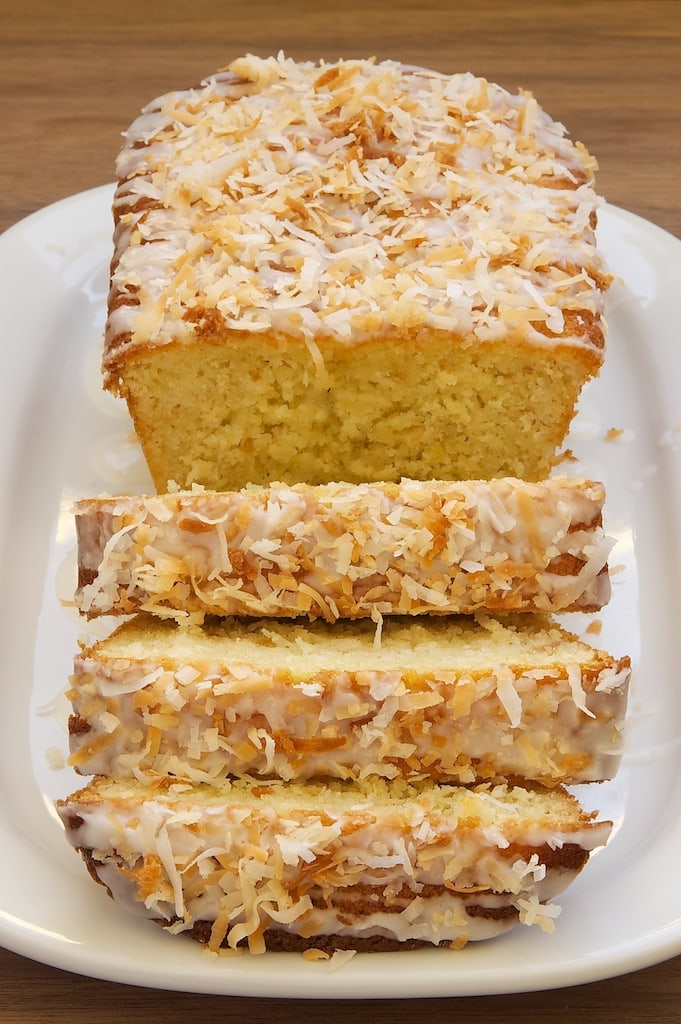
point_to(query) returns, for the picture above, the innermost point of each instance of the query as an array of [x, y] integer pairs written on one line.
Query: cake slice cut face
[[332, 866], [355, 271], [451, 699], [347, 551]]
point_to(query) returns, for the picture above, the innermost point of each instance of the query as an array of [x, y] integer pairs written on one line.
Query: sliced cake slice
[[451, 698], [361, 865], [347, 550]]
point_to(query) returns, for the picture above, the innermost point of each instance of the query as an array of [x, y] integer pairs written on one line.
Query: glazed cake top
[[352, 200]]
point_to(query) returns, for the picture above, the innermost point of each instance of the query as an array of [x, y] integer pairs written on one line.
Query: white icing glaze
[[438, 919], [349, 201]]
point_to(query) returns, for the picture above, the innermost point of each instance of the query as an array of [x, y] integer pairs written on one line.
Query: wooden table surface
[[74, 74]]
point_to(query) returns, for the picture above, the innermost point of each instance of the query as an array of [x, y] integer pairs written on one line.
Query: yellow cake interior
[[434, 409]]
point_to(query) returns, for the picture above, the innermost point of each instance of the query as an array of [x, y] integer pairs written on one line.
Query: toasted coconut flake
[[303, 208]]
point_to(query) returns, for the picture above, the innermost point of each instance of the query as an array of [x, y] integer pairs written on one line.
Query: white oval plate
[[62, 438]]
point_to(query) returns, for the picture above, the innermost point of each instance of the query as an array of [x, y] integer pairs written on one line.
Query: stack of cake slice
[[342, 715], [313, 733]]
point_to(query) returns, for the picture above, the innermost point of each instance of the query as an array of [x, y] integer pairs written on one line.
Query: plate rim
[[21, 936]]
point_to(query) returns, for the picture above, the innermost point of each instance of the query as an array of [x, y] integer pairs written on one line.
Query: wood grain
[[74, 74], [36, 994]]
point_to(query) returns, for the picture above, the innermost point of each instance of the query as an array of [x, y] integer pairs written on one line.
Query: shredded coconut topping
[[347, 551], [312, 700], [432, 863], [352, 200]]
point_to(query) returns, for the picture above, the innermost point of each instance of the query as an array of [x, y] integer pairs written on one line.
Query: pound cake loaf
[[351, 271], [451, 698], [332, 865], [346, 550]]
